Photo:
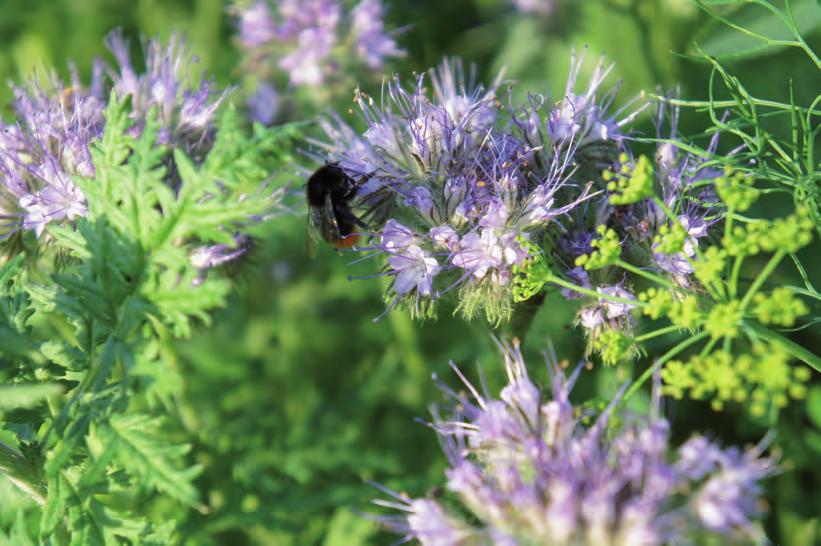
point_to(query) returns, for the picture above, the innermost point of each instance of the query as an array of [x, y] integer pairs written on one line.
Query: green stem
[[728, 224], [552, 279], [734, 275], [728, 103], [665, 209], [648, 373], [794, 349], [656, 333], [762, 276], [708, 347], [646, 274]]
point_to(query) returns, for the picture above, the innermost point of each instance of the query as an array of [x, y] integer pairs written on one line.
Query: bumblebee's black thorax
[[329, 179]]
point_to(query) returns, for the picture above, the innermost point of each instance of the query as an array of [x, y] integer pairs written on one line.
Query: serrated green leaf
[[25, 395], [20, 534], [150, 459], [65, 449], [55, 506]]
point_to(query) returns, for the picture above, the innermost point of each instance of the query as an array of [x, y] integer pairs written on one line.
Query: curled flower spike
[[185, 110], [584, 118], [527, 467], [49, 147], [440, 161], [313, 43], [373, 44]]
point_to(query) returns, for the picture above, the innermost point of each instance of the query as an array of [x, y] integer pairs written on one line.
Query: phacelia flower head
[[669, 228], [48, 146], [442, 159], [313, 43], [585, 118], [527, 467], [373, 44], [56, 123], [542, 8], [185, 109]]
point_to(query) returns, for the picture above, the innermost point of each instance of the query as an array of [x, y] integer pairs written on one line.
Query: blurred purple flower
[[48, 144], [306, 64], [537, 7], [211, 256], [373, 45], [185, 109], [58, 199], [264, 104], [529, 468], [256, 25], [308, 40], [56, 124]]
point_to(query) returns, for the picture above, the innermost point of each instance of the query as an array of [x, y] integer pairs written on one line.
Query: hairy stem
[[552, 279], [642, 273]]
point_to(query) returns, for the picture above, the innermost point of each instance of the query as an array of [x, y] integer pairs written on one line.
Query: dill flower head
[[686, 204], [527, 467]]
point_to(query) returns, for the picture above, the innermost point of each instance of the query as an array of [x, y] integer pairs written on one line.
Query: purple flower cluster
[[530, 468], [542, 8], [683, 205], [607, 312], [185, 109], [310, 40], [49, 143], [452, 178]]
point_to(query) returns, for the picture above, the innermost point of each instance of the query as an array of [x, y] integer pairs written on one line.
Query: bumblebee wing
[[310, 236], [322, 223], [330, 227]]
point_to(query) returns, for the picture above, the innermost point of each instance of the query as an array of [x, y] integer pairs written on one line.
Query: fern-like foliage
[[88, 443]]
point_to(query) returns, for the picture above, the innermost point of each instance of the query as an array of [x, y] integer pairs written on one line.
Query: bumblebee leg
[[349, 217]]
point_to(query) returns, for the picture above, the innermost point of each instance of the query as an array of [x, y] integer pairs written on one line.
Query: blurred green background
[[294, 397]]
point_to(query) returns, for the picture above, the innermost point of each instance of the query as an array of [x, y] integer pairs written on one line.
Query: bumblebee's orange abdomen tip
[[348, 241]]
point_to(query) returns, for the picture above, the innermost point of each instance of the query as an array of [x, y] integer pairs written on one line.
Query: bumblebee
[[329, 192]]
